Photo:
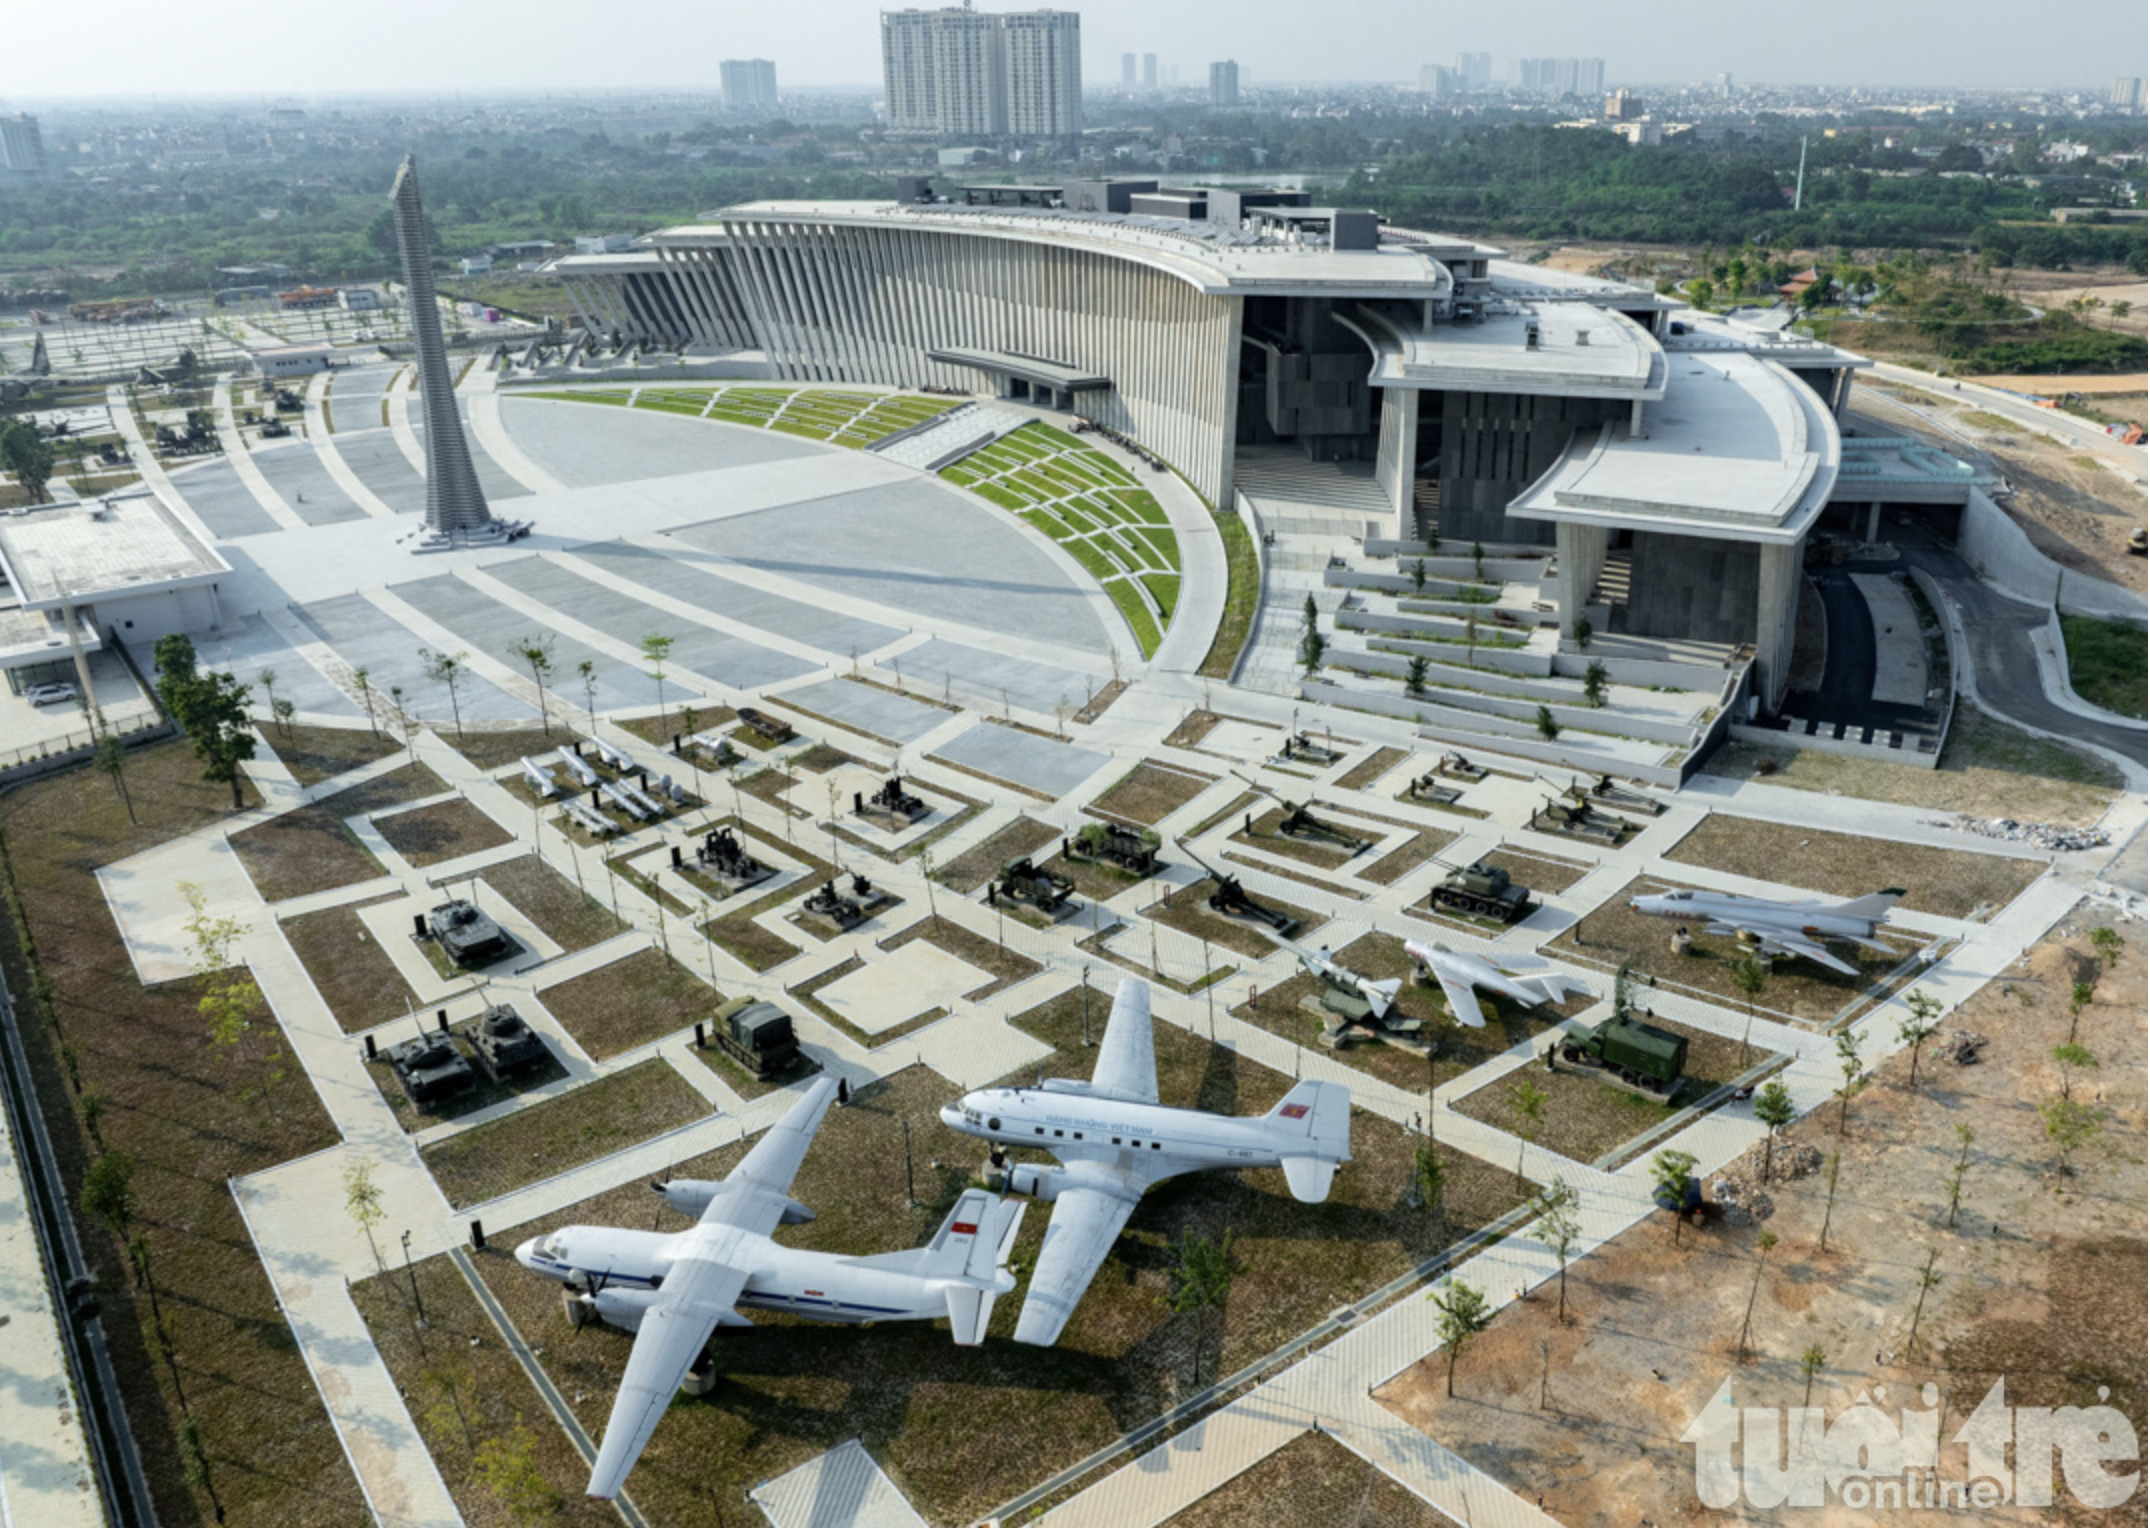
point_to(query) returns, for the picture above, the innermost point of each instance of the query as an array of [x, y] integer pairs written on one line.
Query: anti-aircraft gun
[[722, 857], [1021, 881], [1479, 890], [1571, 813], [1231, 899], [1298, 822], [1605, 791], [1457, 767], [892, 802]]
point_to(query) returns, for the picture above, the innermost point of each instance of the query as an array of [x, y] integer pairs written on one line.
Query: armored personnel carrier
[[504, 1044], [757, 1035], [430, 1070], [470, 937], [1481, 891]]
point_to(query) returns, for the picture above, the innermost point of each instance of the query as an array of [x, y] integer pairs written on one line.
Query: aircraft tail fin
[[971, 1243], [1322, 1112], [1389, 987], [1877, 906]]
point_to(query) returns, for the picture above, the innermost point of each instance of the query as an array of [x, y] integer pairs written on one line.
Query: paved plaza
[[909, 627]]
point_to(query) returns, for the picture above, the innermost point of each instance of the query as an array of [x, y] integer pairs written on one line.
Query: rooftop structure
[[71, 555], [455, 504]]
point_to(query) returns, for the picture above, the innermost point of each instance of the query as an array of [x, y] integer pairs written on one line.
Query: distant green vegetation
[[2107, 664], [831, 417], [1094, 508]]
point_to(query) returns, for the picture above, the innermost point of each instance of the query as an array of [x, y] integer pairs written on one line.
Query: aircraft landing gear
[[702, 1377]]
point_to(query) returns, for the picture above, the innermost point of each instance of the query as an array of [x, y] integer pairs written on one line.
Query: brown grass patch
[[1149, 793], [648, 728], [447, 830], [170, 1108], [1371, 768], [1188, 911], [1539, 872], [497, 750], [1400, 861], [568, 916], [1951, 882], [355, 976], [314, 754], [310, 849], [630, 1002], [982, 861], [593, 1121]]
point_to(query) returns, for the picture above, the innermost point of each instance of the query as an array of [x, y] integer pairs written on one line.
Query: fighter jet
[[1779, 928], [1378, 996], [674, 1291], [1115, 1140], [1458, 974]]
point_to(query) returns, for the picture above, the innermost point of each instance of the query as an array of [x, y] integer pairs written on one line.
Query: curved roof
[[1580, 351]]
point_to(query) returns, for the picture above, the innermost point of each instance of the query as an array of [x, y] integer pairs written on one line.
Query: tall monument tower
[[455, 504]]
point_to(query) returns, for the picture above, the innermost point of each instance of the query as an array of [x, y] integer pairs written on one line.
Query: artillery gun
[[1457, 767], [1606, 792], [1301, 749], [1480, 890], [1428, 787], [504, 1044], [1575, 817], [891, 801], [1113, 844], [1021, 881], [466, 934], [1231, 899], [831, 906], [1298, 822]]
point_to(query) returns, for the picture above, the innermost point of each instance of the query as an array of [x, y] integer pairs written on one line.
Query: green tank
[[1638, 1054], [1482, 891]]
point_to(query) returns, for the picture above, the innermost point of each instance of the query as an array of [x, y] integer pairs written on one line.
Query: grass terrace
[[834, 418], [1094, 508]]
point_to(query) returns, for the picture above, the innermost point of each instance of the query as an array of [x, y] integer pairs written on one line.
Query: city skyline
[[836, 44]]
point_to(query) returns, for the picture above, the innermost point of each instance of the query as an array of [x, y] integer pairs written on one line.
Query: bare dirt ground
[[2056, 289], [1316, 1479], [2041, 1282]]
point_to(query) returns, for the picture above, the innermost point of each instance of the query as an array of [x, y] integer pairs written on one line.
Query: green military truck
[[758, 1036], [1626, 1051]]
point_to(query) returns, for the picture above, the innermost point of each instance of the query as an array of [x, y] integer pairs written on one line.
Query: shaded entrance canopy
[[1035, 370]]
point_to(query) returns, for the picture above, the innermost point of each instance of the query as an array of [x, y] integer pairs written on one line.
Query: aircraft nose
[[952, 1116], [526, 1252]]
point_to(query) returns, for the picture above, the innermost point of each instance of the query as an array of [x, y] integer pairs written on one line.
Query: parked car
[[50, 694]]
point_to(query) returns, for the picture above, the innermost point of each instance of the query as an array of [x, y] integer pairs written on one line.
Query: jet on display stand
[[674, 1291], [1779, 928], [1114, 1140], [1459, 973], [1377, 996]]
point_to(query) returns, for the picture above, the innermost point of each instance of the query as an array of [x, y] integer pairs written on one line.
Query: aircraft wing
[[1462, 1001], [698, 1292], [756, 1193], [1127, 1055], [1086, 1221], [1785, 940]]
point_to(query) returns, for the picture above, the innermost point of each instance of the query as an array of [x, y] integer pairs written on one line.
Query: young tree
[[1918, 1025], [2107, 944], [363, 678], [2079, 997], [1414, 679], [1460, 1314], [1928, 1279], [1582, 631], [1560, 1230], [1750, 974], [1418, 575], [2072, 1058], [1547, 727], [92, 1106], [507, 1465], [228, 998], [1670, 1172], [211, 707], [1478, 561], [2069, 1126], [655, 649], [27, 454], [1965, 1135], [1198, 1279], [537, 653], [267, 680], [1310, 615], [362, 1202], [1849, 1063], [586, 670], [108, 1191], [446, 669], [111, 757], [1526, 1106], [1430, 1172], [1312, 646], [1811, 1363], [1773, 1106], [1763, 1243], [1836, 1165], [1470, 636], [1595, 681], [404, 719], [283, 711]]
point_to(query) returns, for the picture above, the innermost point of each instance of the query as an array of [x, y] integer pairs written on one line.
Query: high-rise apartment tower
[[968, 73]]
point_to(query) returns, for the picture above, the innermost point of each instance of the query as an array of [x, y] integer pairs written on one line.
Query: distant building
[[965, 72], [1623, 106], [359, 299], [293, 360], [604, 243], [1439, 81], [1127, 71], [1224, 84], [2126, 95], [475, 265], [1554, 77], [254, 275], [1149, 71], [749, 84], [1473, 71], [22, 146]]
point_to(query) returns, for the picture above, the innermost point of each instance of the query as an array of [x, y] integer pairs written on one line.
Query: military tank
[[505, 1044], [1480, 891], [430, 1070], [469, 935]]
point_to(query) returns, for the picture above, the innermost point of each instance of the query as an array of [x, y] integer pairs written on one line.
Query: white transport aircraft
[[1779, 928], [674, 1291], [1458, 973], [1115, 1140]]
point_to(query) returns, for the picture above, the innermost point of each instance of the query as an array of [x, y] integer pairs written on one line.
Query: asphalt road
[[2079, 434]]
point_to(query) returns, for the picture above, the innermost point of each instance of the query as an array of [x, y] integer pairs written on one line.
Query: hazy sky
[[255, 48]]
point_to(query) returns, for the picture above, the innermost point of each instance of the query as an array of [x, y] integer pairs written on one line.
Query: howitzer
[[1231, 899]]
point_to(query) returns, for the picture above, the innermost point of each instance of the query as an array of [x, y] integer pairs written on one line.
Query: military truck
[[1135, 852], [757, 1035], [1481, 891], [1640, 1056], [1021, 881]]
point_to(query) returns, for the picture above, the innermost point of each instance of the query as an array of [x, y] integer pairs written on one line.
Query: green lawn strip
[[1243, 590], [1167, 545], [2106, 663], [1142, 504], [613, 398], [1092, 560], [1165, 589], [592, 1121], [1138, 616], [1078, 522], [1044, 520], [996, 494], [959, 473]]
